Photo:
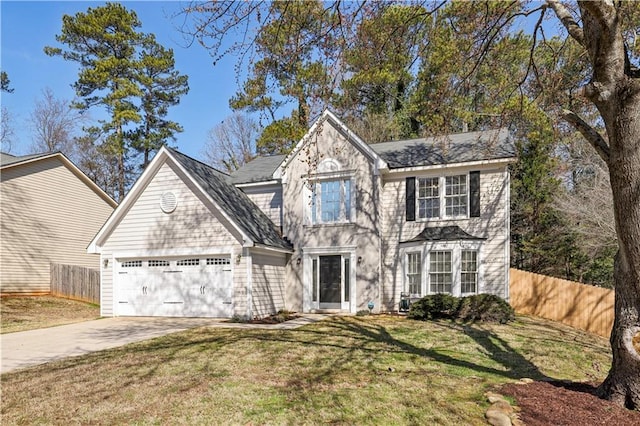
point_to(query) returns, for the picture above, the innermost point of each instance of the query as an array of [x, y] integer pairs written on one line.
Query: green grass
[[22, 313], [347, 370]]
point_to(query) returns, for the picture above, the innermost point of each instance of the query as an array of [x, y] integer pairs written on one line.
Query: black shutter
[[410, 197], [474, 194]]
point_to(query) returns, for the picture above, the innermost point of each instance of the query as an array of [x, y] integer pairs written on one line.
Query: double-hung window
[[442, 197], [440, 272], [428, 198], [414, 273], [456, 195], [331, 201], [468, 271]]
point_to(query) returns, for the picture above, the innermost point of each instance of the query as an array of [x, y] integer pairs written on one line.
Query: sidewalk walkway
[[29, 348]]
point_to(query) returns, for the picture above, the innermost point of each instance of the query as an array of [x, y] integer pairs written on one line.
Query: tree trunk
[[622, 385], [615, 90]]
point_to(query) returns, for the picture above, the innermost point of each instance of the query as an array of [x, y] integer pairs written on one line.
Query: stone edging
[[501, 413]]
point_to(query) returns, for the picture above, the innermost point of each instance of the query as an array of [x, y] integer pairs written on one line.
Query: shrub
[[362, 313], [479, 307], [434, 306], [485, 308]]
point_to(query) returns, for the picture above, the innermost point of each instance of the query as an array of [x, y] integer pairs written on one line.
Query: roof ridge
[[173, 150]]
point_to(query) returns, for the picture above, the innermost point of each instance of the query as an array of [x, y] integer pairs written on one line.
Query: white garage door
[[184, 287]]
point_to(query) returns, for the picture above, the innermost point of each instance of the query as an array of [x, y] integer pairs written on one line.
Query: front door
[[330, 282]]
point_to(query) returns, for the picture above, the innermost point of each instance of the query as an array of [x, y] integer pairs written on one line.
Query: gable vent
[[168, 202]]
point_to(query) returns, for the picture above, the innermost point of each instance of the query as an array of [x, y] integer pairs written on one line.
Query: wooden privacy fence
[[581, 306], [75, 282]]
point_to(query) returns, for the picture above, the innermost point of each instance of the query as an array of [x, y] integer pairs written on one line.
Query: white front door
[[329, 282]]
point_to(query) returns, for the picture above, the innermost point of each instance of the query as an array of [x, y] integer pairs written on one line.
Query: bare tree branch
[[589, 133], [567, 20]]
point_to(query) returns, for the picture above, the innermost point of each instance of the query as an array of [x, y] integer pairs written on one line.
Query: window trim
[[456, 248], [408, 272], [442, 197], [476, 272], [314, 193]]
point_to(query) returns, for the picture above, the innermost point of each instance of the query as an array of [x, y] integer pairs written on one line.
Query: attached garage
[[182, 244], [168, 287]]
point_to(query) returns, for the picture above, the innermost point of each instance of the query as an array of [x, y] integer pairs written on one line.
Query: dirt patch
[[32, 312], [561, 403]]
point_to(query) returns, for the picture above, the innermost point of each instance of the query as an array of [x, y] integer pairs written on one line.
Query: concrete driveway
[[29, 348]]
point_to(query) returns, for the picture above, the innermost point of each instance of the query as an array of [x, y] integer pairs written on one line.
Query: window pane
[[414, 273], [456, 195], [347, 279], [330, 201], [428, 198], [469, 271], [440, 276], [347, 199]]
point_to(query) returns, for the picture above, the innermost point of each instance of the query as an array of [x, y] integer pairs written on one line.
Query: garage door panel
[[175, 287]]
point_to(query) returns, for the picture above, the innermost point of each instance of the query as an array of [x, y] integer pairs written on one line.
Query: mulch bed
[[562, 403]]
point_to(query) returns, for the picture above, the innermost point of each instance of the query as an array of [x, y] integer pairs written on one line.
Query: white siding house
[[336, 225], [50, 211], [183, 242]]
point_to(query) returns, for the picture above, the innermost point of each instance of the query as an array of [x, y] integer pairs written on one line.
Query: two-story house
[[335, 225]]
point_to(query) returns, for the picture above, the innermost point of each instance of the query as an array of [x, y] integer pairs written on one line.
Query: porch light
[[359, 260], [105, 263], [298, 261], [238, 258]]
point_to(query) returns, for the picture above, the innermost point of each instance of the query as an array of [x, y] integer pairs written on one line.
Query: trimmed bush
[[434, 306], [479, 307], [485, 308]]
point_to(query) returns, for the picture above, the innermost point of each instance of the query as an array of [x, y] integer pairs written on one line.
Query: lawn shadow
[[516, 366]]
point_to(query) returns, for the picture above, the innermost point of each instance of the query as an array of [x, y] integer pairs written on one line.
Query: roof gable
[[238, 209], [328, 117], [233, 202], [10, 161]]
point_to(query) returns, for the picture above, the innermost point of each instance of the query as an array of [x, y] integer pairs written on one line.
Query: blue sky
[[27, 27]]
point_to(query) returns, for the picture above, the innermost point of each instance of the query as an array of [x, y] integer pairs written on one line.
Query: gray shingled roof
[[456, 148], [8, 159], [260, 169], [447, 149], [442, 233], [234, 202]]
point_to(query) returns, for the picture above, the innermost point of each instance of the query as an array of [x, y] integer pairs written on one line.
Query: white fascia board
[[269, 184], [327, 115], [438, 167], [262, 248], [143, 181], [246, 240]]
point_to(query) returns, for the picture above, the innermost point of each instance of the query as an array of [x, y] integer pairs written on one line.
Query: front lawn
[[23, 313], [346, 370]]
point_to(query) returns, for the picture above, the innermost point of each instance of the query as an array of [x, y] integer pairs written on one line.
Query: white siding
[[268, 199], [194, 227], [492, 225], [48, 214], [268, 284]]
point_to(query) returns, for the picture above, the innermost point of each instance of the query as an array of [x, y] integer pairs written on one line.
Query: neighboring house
[[50, 211], [332, 226]]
